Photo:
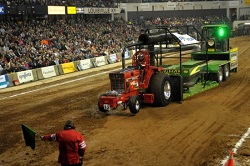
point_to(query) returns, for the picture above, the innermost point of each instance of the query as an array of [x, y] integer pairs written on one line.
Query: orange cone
[[230, 161]]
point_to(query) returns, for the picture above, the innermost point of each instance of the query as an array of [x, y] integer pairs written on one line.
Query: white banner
[[101, 10], [127, 54], [25, 76], [85, 64], [216, 3], [234, 3], [185, 39], [56, 10], [144, 5], [48, 71], [171, 5], [100, 61], [113, 57]]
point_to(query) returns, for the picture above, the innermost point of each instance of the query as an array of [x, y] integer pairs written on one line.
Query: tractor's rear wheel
[[160, 86], [134, 104], [226, 72], [100, 107]]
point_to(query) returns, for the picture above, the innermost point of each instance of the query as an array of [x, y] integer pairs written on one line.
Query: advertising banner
[[171, 5], [25, 76], [71, 10], [68, 67], [48, 71], [101, 10], [113, 58], [185, 39], [56, 10], [100, 61], [79, 10], [85, 64], [1, 9], [4, 81]]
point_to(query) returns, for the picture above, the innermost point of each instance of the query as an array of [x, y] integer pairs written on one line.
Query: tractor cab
[[217, 37]]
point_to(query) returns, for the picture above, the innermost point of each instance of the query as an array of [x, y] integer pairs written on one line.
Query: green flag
[[29, 136]]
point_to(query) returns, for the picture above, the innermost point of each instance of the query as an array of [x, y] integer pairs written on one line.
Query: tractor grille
[[117, 82]]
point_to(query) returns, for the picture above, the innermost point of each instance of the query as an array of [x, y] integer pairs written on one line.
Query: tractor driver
[[141, 59]]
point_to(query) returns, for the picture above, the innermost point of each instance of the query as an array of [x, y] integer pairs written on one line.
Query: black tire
[[99, 107], [226, 72], [219, 75], [134, 104], [160, 86]]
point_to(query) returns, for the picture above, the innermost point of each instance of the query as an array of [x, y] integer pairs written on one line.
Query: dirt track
[[199, 132]]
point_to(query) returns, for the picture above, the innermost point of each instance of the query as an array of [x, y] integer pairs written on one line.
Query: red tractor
[[137, 84]]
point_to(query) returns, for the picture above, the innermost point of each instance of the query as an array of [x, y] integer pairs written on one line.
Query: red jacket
[[71, 145]]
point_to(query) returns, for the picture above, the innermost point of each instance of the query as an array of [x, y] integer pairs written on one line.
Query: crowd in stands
[[35, 44]]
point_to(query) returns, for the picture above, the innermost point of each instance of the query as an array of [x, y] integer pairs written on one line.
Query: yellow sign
[[71, 10], [68, 67], [172, 71], [247, 2], [210, 49]]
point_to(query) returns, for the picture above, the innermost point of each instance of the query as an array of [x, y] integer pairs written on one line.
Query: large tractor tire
[[99, 107], [160, 86], [226, 72], [134, 104]]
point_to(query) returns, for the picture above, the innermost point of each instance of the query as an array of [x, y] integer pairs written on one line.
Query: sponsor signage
[[144, 5], [234, 3], [185, 39], [171, 5], [216, 3], [100, 61], [127, 54], [79, 10], [85, 64], [4, 81], [113, 57], [48, 71], [25, 76], [68, 67], [101, 10], [1, 9], [71, 10], [56, 10]]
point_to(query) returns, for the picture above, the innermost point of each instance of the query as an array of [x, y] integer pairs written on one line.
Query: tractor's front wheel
[[99, 106], [160, 86], [134, 104]]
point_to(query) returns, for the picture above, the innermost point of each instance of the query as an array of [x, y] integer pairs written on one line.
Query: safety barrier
[[32, 75]]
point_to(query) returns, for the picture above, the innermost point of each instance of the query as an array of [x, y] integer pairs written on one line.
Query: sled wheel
[[219, 75], [226, 72]]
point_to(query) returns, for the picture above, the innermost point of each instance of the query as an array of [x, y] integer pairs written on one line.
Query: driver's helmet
[[140, 57]]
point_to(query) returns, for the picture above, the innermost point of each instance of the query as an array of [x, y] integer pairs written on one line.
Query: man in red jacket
[[71, 145]]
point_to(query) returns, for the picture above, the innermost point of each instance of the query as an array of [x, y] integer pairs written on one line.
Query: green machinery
[[209, 61]]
